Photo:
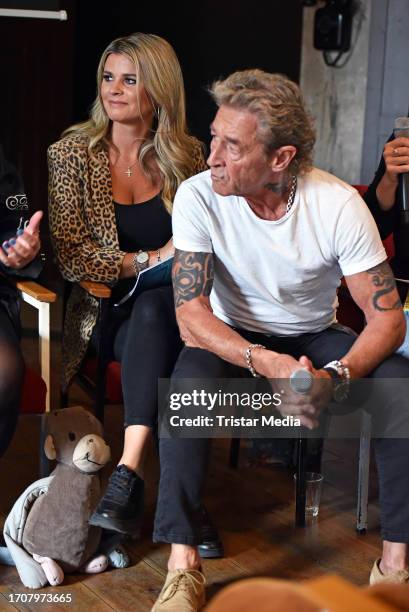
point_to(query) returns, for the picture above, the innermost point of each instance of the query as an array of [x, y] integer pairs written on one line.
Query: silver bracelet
[[341, 379], [247, 357], [340, 368]]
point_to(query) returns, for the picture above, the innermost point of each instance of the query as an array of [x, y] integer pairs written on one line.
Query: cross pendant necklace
[[128, 172]]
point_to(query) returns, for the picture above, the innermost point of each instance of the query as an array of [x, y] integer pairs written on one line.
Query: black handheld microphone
[[402, 234]]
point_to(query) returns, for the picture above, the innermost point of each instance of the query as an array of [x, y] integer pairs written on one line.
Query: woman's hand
[[22, 249], [128, 269], [396, 156], [167, 251]]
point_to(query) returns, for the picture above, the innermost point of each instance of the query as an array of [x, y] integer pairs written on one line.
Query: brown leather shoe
[[377, 577], [183, 591]]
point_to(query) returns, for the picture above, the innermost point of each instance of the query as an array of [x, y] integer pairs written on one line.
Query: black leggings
[[184, 461], [11, 379], [147, 344]]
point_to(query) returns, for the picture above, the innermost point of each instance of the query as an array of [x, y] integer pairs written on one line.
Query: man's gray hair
[[279, 107]]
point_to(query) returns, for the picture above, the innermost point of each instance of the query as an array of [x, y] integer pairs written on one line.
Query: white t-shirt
[[278, 277]]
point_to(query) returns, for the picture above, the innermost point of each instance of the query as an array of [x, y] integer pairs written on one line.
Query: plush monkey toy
[[50, 519]]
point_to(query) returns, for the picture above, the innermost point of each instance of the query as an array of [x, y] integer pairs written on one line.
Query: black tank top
[[146, 226]]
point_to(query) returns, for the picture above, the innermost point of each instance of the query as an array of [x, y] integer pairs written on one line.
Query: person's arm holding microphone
[[396, 158]]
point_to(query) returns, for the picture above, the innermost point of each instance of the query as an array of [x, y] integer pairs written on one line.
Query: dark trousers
[[184, 461], [147, 343], [11, 379]]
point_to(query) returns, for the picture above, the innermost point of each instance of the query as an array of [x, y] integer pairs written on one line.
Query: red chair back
[[362, 189], [34, 393], [113, 388]]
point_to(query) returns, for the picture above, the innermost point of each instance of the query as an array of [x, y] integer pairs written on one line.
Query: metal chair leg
[[101, 361], [363, 474], [64, 399], [234, 453], [301, 483]]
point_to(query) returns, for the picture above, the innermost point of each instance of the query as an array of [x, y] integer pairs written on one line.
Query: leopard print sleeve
[[81, 255]]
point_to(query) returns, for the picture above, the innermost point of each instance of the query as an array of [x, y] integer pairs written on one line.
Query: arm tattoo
[[382, 279], [192, 276]]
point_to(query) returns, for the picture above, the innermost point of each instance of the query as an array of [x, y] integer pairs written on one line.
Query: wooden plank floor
[[253, 508]]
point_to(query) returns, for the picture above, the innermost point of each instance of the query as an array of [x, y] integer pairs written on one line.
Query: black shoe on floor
[[121, 507], [211, 546]]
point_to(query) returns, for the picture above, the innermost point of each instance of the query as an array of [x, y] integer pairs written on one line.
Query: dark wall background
[[48, 67], [212, 39], [36, 63]]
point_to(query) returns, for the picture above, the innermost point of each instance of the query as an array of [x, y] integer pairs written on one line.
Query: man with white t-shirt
[[262, 240]]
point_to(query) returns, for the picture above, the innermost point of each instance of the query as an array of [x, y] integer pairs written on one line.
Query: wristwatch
[[140, 261], [341, 378]]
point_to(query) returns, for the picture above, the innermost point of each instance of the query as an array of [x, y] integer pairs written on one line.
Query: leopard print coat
[[84, 235]]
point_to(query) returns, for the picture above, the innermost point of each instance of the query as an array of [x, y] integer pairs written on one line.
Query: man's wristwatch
[[140, 261], [341, 378]]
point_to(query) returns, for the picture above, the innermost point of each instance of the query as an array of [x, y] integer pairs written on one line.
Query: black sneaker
[[211, 546], [121, 507]]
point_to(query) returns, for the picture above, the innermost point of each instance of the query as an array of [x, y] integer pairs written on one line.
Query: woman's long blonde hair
[[170, 144]]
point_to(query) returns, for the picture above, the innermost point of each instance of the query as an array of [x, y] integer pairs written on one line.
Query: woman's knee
[[152, 307]]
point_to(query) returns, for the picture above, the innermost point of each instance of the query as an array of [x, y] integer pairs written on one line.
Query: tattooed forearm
[[192, 276], [385, 286]]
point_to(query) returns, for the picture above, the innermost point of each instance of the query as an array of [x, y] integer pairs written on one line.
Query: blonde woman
[[112, 182]]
